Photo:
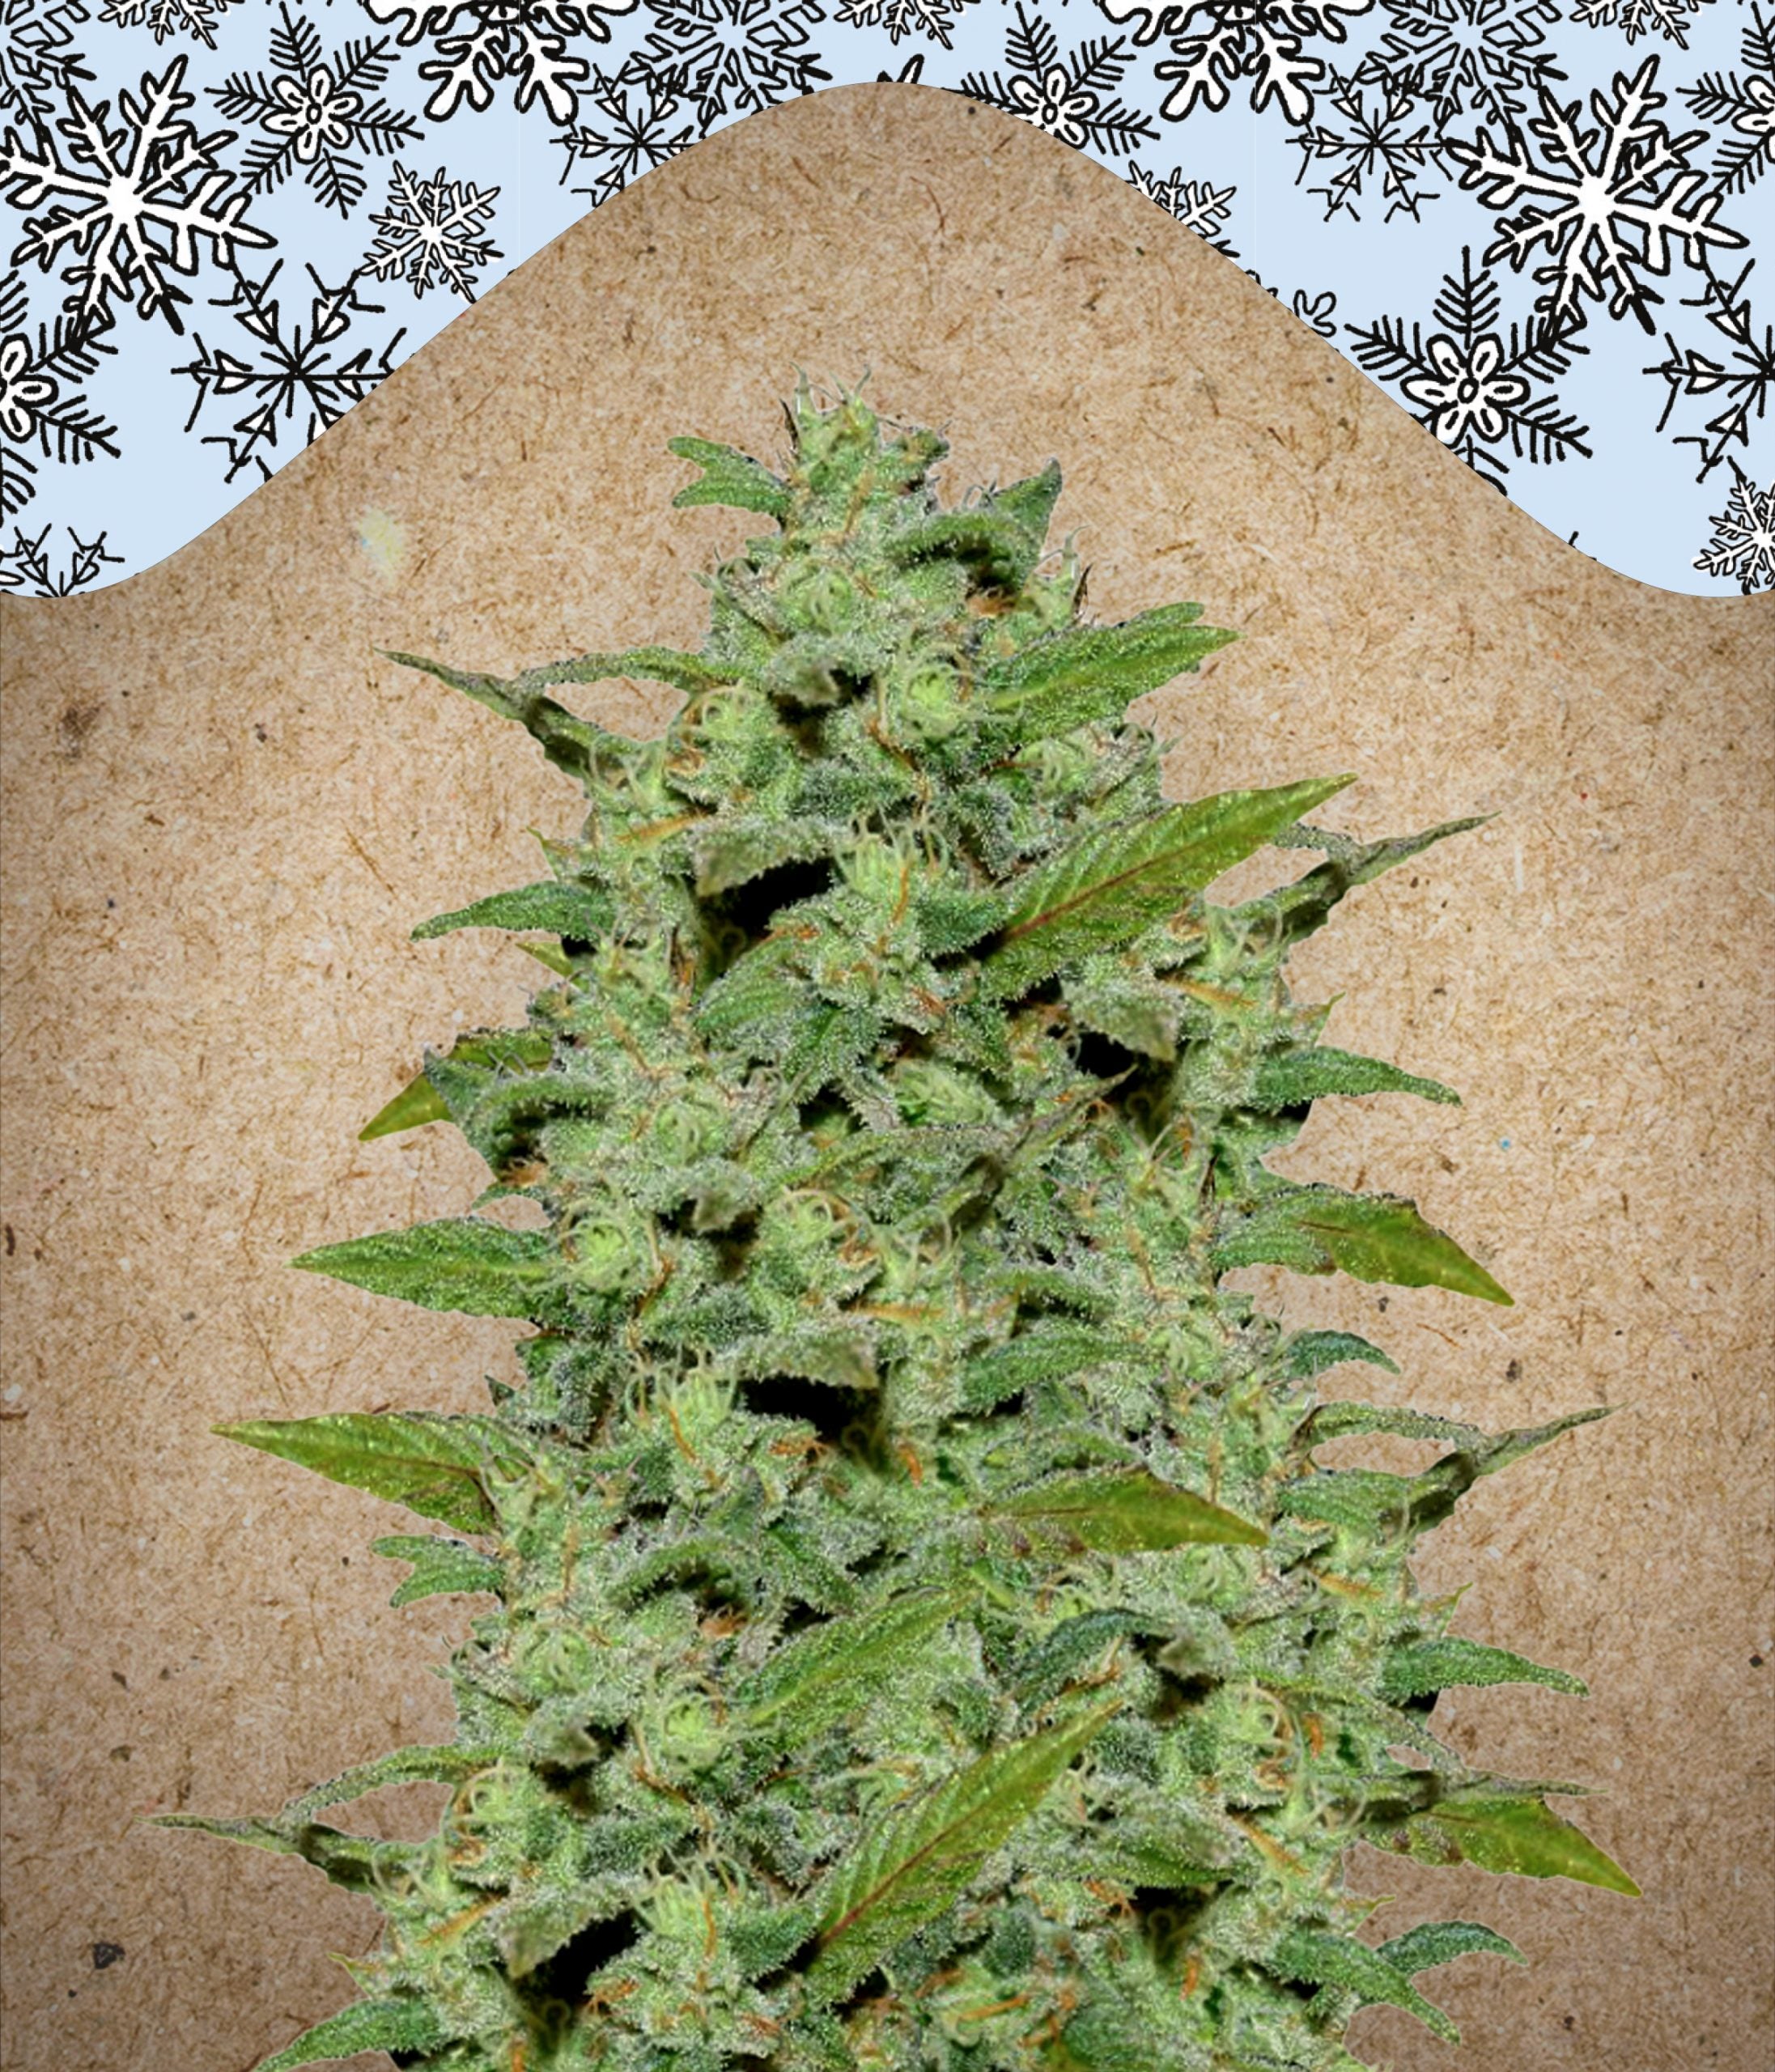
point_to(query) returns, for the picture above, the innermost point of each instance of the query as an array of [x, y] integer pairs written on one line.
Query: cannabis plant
[[924, 1636]]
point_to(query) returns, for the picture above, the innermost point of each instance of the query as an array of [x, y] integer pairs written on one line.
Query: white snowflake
[[1744, 542], [1466, 57], [167, 17], [433, 224], [1749, 152], [38, 61], [900, 18], [1368, 140], [1218, 42], [1067, 100], [1638, 18], [521, 40], [1605, 203], [1196, 204], [149, 173]]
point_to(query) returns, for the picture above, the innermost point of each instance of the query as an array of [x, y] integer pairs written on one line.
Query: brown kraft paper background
[[224, 812]]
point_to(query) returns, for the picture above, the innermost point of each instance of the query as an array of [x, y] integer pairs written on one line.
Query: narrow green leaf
[[350, 1861], [570, 743], [923, 1855], [1120, 1513], [432, 1463], [1522, 1835], [390, 2025], [1433, 1943], [489, 1051], [1030, 503], [460, 1263], [1409, 1672], [1294, 911], [418, 1102], [1321, 1959], [440, 1566], [578, 911], [811, 1681], [1285, 1079], [1090, 674], [1052, 1352], [1309, 1352], [1115, 884], [729, 477], [672, 665], [426, 1763], [1319, 1230]]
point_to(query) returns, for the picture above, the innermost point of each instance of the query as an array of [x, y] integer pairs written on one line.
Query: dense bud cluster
[[924, 1637]]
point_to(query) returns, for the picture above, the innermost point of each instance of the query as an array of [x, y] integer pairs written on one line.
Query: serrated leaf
[[391, 2025], [1090, 674], [1285, 1079], [1294, 911], [580, 912], [420, 1101], [1047, 1353], [1309, 1352], [430, 1462], [1113, 885], [1433, 1943], [729, 477], [1319, 1957], [1314, 1229], [570, 743], [812, 1681], [440, 1566], [1121, 1513], [1520, 1836], [460, 1262], [1409, 1672], [923, 1855]]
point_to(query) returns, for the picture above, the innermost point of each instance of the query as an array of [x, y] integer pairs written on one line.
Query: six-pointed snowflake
[[314, 109], [150, 173], [636, 135], [1067, 101], [1219, 42], [1366, 140], [433, 225], [1473, 386], [735, 56], [1196, 204], [1638, 18], [1744, 542], [1606, 202], [1749, 152], [39, 398], [288, 371], [1748, 384], [931, 18], [1466, 57], [521, 40]]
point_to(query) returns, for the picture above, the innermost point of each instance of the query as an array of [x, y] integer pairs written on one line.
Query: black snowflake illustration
[[1717, 97], [1471, 384], [1466, 57], [1638, 18], [40, 404], [25, 562], [432, 226], [734, 56], [481, 42], [135, 197], [636, 135], [1746, 382], [1367, 140], [931, 18], [1067, 101], [1195, 203], [1744, 543], [1605, 201], [313, 109], [38, 61], [166, 18], [287, 372], [1219, 42]]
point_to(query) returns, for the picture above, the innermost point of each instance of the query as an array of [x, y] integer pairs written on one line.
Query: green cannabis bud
[[924, 1636]]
